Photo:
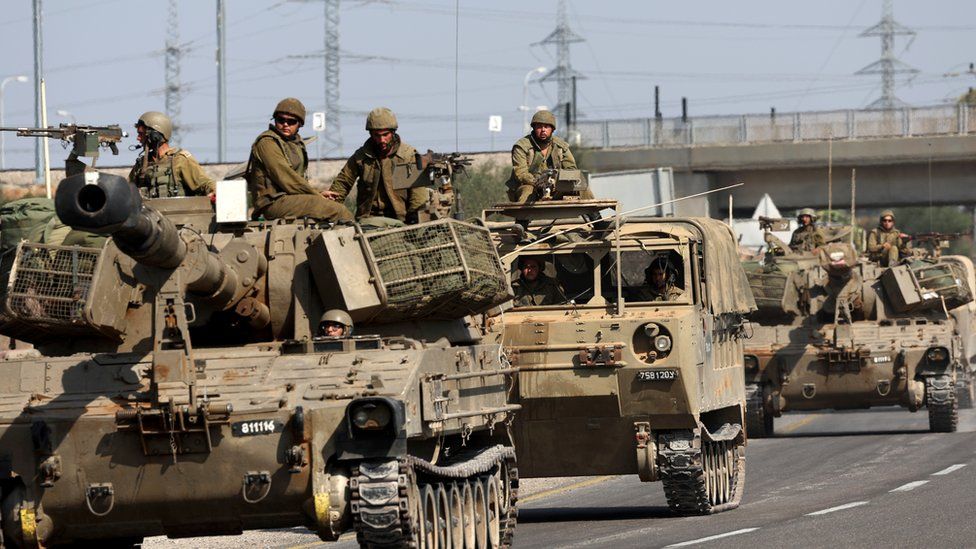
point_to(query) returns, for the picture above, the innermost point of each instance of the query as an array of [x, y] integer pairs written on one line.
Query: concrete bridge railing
[[952, 119]]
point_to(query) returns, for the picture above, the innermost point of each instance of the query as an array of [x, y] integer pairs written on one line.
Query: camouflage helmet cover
[[158, 121], [339, 317], [886, 213], [381, 118], [292, 106], [807, 211], [544, 117]]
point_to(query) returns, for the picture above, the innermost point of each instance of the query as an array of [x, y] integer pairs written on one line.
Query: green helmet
[[807, 211], [158, 121], [292, 106], [339, 317], [886, 213], [544, 117], [381, 118]]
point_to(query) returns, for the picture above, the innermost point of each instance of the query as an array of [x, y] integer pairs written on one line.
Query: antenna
[[888, 66], [174, 91], [564, 73]]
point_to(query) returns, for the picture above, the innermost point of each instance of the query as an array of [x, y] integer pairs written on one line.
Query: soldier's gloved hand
[[331, 195], [886, 245]]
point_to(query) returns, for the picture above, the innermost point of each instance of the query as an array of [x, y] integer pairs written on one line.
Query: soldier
[[534, 288], [886, 243], [659, 282], [535, 153], [276, 171], [335, 323], [807, 237], [382, 170], [162, 171]]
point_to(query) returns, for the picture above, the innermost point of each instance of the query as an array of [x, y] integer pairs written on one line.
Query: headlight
[[662, 343], [937, 355], [370, 415], [836, 256], [652, 329]]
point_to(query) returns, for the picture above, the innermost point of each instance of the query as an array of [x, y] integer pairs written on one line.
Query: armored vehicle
[[180, 385], [834, 331], [615, 378]]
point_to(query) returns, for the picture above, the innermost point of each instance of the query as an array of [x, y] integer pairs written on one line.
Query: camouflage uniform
[[175, 173], [805, 238], [528, 162], [377, 179], [277, 183], [650, 293], [879, 236], [542, 291]]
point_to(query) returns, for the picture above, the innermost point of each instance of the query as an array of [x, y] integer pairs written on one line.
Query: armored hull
[[613, 382], [180, 386]]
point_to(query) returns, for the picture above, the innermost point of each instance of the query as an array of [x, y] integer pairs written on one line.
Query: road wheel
[[443, 517], [456, 517], [940, 399], [759, 422], [469, 519], [480, 515], [492, 508], [704, 480], [431, 529]]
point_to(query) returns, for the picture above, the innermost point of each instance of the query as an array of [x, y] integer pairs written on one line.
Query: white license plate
[[657, 375]]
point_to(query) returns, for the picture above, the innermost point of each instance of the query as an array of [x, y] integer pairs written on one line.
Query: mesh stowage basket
[[441, 269], [49, 285]]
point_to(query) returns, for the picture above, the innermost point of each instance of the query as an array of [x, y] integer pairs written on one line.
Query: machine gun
[[554, 184], [85, 141], [935, 242], [440, 170]]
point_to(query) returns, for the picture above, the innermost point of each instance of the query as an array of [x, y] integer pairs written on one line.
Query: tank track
[[759, 423], [940, 399], [964, 390], [700, 477], [384, 495]]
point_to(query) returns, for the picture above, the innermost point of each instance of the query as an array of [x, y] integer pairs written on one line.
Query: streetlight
[[524, 107], [20, 78], [67, 114]]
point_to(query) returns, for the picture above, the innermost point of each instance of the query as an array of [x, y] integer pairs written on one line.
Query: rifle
[[85, 141]]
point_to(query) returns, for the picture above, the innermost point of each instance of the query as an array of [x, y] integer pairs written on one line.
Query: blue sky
[[104, 62]]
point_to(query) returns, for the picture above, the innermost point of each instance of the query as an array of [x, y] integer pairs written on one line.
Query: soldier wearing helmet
[[807, 237], [660, 282], [162, 171], [382, 170], [886, 244], [538, 151], [276, 171], [335, 323], [533, 287]]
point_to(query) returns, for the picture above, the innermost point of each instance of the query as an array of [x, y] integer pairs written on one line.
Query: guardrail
[[951, 119]]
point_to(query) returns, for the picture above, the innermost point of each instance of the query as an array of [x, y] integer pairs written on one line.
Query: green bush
[[482, 186]]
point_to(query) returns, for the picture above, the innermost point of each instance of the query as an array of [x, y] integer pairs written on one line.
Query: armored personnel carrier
[[834, 331], [180, 385], [615, 378]]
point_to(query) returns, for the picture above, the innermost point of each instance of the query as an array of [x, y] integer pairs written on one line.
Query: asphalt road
[[873, 478]]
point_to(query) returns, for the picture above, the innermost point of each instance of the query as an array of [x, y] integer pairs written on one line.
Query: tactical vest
[[158, 178], [262, 188], [402, 170]]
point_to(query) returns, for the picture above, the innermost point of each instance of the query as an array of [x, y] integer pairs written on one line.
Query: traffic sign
[[318, 121]]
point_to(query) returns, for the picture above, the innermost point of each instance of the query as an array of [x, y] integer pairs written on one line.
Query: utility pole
[[564, 73], [330, 55], [888, 66], [38, 76], [174, 91], [221, 84]]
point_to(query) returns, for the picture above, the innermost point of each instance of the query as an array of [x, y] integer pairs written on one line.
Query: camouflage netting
[[442, 269], [48, 286]]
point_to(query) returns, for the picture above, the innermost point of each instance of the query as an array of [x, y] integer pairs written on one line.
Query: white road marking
[[712, 538], [949, 469], [838, 508], [910, 486]]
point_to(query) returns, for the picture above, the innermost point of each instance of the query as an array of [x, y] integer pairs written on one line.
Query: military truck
[[611, 382], [835, 331], [180, 385]]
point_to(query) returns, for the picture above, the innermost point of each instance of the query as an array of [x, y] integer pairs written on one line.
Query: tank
[[835, 331], [612, 381], [180, 385]]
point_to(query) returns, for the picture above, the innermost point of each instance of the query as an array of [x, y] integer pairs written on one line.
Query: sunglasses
[[286, 121], [887, 220]]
